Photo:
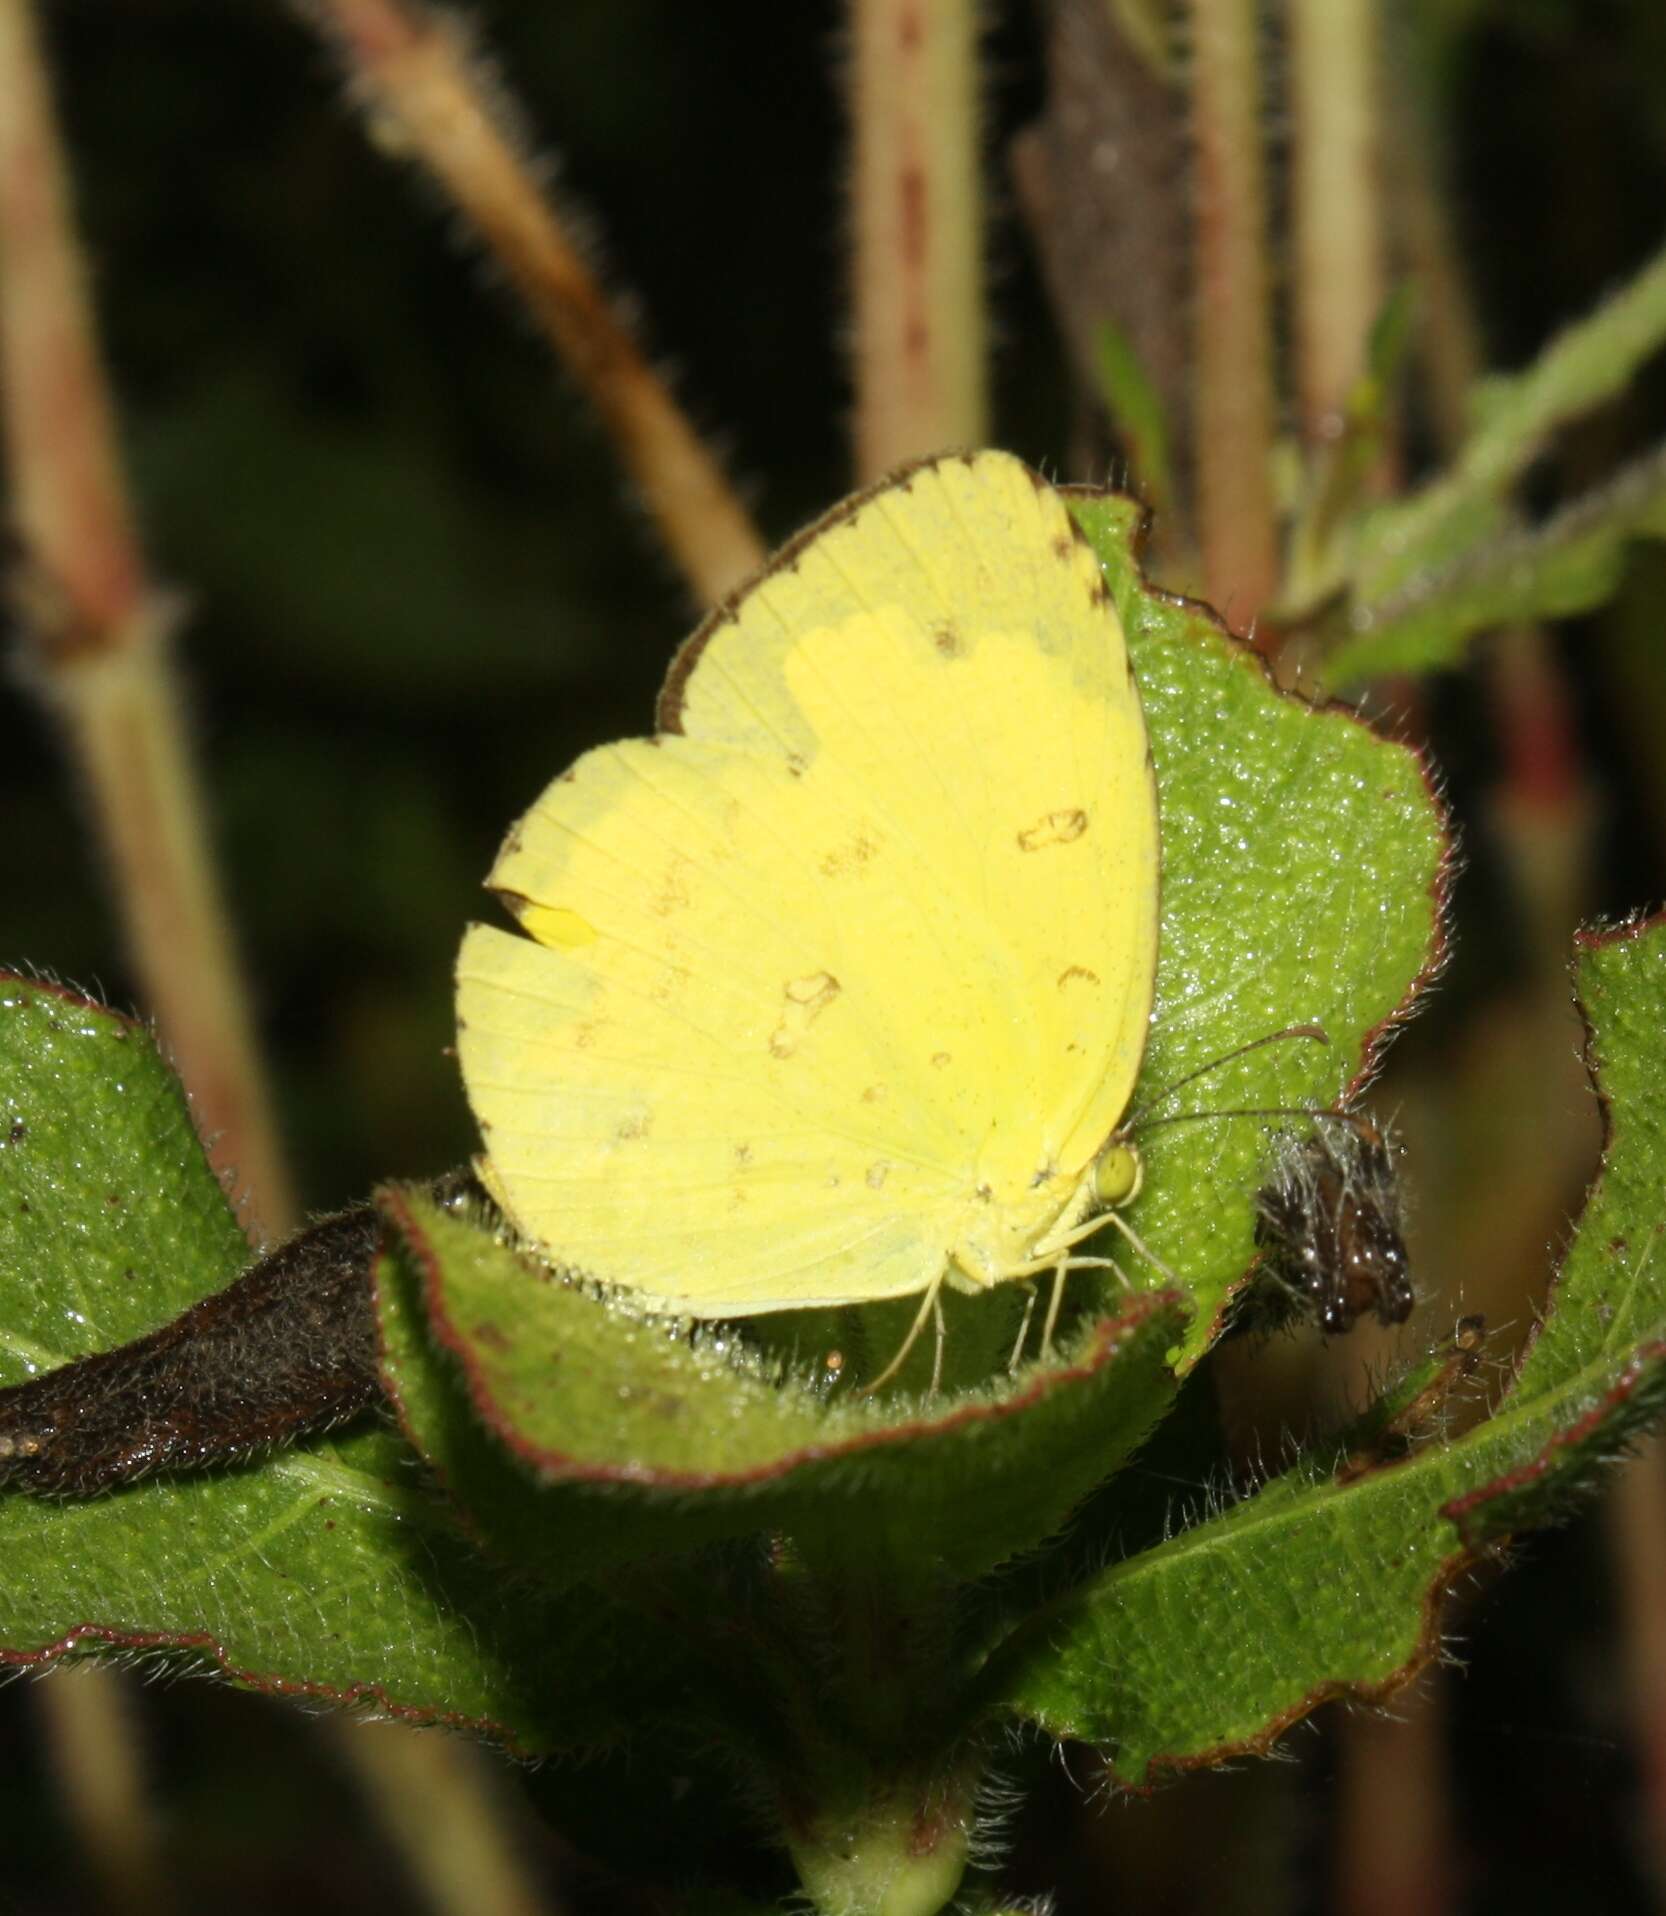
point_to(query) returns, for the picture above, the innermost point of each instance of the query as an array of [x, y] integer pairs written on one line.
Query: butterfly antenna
[[1317, 1033], [1355, 1120]]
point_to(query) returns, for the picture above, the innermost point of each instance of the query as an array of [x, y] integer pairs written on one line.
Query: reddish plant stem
[[1231, 319], [100, 657], [426, 97], [917, 220], [1336, 201], [98, 639], [1392, 1770]]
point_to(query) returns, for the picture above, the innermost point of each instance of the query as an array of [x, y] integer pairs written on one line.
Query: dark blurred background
[[419, 587]]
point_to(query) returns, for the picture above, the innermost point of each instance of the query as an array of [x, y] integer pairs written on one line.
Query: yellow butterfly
[[837, 988]]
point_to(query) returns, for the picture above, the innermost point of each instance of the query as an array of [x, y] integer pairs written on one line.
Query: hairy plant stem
[[1422, 242], [878, 1803], [427, 97], [99, 655], [1338, 249], [917, 223], [96, 633], [1231, 320]]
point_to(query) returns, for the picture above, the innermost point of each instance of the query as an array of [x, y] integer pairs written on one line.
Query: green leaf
[[1586, 364], [1136, 409], [616, 1436], [1593, 1373], [1304, 867], [1319, 547], [330, 1570], [1571, 564], [1218, 1639]]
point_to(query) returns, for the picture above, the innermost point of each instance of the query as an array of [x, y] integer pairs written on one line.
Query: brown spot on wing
[[844, 859], [1053, 828], [806, 999], [671, 894]]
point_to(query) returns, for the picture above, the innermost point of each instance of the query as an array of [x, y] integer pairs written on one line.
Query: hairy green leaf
[[1304, 868], [1136, 409], [1569, 565], [1315, 1586], [616, 1437], [1587, 363], [331, 1570]]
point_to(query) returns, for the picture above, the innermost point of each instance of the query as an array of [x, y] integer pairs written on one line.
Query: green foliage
[[1303, 870], [1514, 416], [1316, 1585], [1136, 407], [594, 1524], [1410, 580], [330, 1570], [1572, 563]]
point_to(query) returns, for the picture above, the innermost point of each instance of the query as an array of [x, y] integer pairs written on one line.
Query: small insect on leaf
[[1328, 1222]]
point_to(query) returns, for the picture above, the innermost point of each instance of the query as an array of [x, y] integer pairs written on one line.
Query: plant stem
[[99, 651], [100, 1776], [448, 1816], [425, 96], [1394, 1847], [1232, 327], [892, 1848], [1448, 338], [917, 217], [1338, 260], [100, 658]]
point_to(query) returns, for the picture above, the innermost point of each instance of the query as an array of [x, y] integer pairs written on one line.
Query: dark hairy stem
[[287, 1348]]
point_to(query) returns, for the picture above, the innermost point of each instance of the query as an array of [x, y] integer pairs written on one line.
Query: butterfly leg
[[1053, 1303], [928, 1304], [1023, 1330], [1141, 1246], [937, 1353]]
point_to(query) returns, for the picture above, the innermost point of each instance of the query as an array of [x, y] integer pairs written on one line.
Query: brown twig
[[1395, 1790], [917, 222], [427, 97], [1231, 319], [97, 637], [98, 632], [98, 656]]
